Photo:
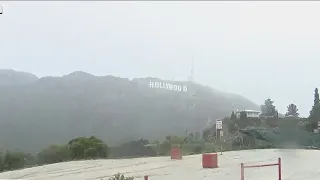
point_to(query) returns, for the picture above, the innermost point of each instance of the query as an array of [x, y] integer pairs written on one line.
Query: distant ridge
[[36, 112]]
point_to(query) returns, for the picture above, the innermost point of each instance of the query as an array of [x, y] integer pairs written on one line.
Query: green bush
[[88, 148], [165, 147], [120, 177], [54, 154], [198, 149]]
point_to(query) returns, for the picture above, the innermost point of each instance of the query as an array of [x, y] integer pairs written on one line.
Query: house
[[250, 113]]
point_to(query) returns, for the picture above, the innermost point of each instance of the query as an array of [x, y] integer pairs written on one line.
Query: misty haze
[[121, 80]]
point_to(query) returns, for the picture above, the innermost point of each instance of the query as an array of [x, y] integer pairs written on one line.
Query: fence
[[263, 165], [146, 177]]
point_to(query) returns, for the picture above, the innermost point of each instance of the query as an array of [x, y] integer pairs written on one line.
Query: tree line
[[268, 118], [76, 149], [84, 148], [268, 110]]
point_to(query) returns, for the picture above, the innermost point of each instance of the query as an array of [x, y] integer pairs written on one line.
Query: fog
[[257, 49]]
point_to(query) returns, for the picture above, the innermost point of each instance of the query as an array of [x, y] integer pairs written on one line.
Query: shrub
[[198, 149], [165, 147], [120, 177]]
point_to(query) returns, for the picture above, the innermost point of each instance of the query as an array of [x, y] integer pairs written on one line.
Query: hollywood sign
[[168, 86]]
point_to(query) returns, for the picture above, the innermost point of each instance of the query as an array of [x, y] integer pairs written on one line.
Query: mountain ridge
[[50, 110]]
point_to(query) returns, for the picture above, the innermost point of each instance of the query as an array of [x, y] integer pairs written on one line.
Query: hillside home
[[250, 113]]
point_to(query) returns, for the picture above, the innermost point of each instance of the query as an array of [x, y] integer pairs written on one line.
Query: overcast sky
[[257, 49]]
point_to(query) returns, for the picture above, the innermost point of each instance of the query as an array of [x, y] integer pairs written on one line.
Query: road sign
[[219, 124], [221, 133]]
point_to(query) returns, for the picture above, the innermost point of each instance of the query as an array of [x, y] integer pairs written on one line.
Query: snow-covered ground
[[296, 165]]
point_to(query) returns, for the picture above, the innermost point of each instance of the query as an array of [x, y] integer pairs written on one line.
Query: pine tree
[[233, 116], [316, 97], [315, 112], [316, 101], [292, 110], [232, 123], [243, 120], [268, 109]]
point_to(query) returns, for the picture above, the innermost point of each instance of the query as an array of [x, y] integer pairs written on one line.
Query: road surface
[[296, 165]]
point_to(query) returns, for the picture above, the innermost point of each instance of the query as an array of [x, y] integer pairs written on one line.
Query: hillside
[[35, 113]]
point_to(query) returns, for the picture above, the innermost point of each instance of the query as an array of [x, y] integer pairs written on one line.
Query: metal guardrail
[[262, 165]]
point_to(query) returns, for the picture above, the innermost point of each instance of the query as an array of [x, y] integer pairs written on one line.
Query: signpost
[[219, 128], [218, 125]]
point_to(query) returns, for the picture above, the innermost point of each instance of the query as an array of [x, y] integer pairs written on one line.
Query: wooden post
[[279, 168], [242, 171]]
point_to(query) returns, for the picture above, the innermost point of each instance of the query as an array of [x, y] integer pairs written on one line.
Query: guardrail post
[[242, 171], [279, 168]]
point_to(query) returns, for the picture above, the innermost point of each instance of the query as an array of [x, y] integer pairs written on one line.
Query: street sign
[[219, 124], [221, 133]]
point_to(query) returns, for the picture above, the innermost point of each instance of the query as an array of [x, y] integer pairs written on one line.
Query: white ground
[[296, 165]]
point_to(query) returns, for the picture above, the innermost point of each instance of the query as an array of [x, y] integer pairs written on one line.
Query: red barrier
[[263, 165], [210, 160], [146, 177], [176, 153]]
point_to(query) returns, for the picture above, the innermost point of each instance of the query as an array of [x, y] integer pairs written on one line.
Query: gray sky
[[256, 49]]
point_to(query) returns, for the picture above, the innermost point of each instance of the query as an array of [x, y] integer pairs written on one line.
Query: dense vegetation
[[76, 149]]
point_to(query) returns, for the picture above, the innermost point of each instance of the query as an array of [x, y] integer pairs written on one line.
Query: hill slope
[[52, 110]]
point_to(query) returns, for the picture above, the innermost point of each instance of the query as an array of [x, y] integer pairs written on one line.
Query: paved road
[[297, 165]]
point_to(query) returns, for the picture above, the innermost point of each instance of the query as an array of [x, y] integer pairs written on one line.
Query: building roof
[[247, 110]]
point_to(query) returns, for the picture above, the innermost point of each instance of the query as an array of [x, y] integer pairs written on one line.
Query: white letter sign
[[168, 86]]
